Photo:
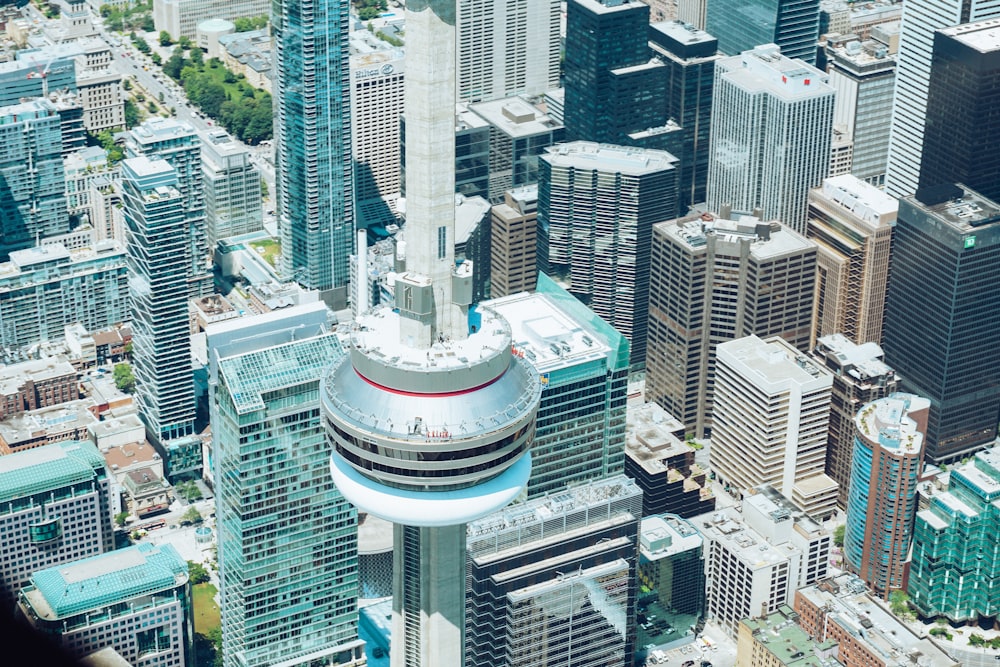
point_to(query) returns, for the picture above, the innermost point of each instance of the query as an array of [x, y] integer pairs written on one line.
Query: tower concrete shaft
[[430, 176]]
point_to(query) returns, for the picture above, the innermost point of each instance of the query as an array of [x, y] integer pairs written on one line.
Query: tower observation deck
[[431, 415]]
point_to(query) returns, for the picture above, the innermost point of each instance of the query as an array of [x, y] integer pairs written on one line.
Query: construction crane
[[43, 74]]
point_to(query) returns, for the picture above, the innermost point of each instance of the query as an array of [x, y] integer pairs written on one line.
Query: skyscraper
[[863, 74], [943, 282], [597, 205], [689, 55], [771, 134], [32, 201], [887, 463], [613, 88], [909, 105], [859, 377], [741, 26], [312, 109], [961, 129], [56, 502], [552, 581], [583, 362], [513, 229], [232, 188], [288, 561], [851, 223], [507, 49], [431, 416], [157, 240], [713, 280], [179, 144], [955, 569], [772, 405]]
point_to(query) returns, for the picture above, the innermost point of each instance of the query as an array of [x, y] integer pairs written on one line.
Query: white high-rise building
[[232, 187], [916, 45], [772, 407], [507, 48], [772, 119]]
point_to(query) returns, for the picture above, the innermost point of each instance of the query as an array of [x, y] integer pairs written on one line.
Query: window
[[442, 242]]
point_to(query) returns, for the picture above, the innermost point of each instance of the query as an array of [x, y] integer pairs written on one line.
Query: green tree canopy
[[124, 379]]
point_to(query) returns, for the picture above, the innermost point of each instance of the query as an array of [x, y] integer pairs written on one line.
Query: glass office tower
[[313, 144], [740, 26]]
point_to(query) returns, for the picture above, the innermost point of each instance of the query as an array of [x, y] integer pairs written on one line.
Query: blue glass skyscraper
[[313, 144], [740, 26]]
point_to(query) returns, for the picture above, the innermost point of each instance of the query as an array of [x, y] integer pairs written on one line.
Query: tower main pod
[[430, 416]]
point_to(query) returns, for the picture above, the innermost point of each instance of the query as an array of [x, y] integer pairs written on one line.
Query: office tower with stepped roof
[[431, 414]]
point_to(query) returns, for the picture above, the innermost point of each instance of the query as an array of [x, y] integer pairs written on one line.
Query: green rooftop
[[48, 468], [787, 641], [251, 375], [114, 577]]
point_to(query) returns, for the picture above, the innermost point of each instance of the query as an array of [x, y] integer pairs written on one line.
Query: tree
[[121, 518], [184, 42], [197, 574], [838, 535], [196, 56], [899, 603], [263, 189], [124, 379], [155, 57], [165, 38], [191, 516], [174, 64], [127, 84]]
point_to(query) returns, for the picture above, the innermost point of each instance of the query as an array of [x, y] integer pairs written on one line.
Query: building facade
[[178, 144], [136, 600], [56, 504], [232, 188], [583, 363], [789, 105], [671, 606], [312, 145], [772, 406], [776, 640], [851, 224], [612, 86], [742, 26], [597, 205], [377, 80], [158, 262], [714, 279], [859, 378], [913, 73], [863, 74], [886, 465], [962, 91], [553, 580], [288, 561], [946, 245], [955, 570], [507, 49], [513, 241], [45, 288], [33, 201], [689, 56], [180, 18]]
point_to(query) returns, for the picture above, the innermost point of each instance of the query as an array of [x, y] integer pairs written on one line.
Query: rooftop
[[959, 207], [862, 362], [862, 199], [117, 576], [766, 69], [53, 466], [983, 36], [665, 535], [773, 363], [728, 528], [250, 376], [605, 157], [516, 117], [767, 239], [788, 642], [847, 604], [889, 422]]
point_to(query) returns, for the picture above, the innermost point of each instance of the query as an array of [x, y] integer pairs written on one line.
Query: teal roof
[[113, 577], [250, 375], [46, 468], [576, 309]]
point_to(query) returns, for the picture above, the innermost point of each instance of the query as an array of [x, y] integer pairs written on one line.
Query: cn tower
[[431, 415]]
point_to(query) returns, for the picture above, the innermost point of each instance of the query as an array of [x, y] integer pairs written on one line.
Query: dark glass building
[[612, 89], [740, 26], [962, 128], [689, 56], [942, 321]]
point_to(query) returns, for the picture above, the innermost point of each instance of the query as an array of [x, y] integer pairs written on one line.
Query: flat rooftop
[[516, 117], [774, 361], [959, 207], [665, 535], [766, 69], [605, 157], [750, 547], [863, 361], [983, 36], [776, 241]]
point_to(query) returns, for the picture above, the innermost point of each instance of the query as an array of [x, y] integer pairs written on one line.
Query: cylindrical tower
[[430, 439], [881, 502]]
